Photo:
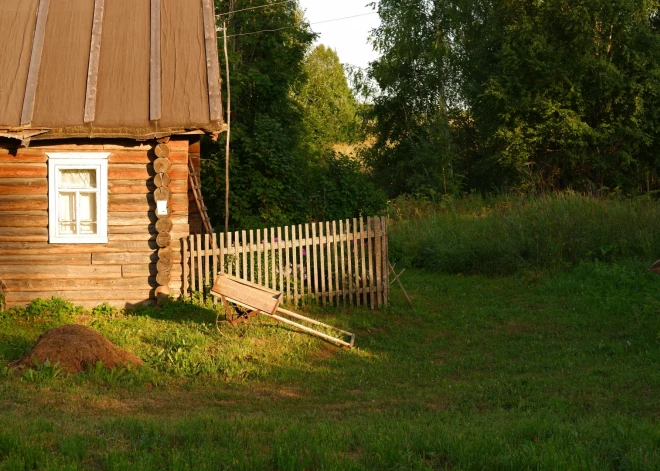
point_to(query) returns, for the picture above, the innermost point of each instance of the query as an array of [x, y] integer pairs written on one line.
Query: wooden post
[[207, 261], [363, 235], [370, 258], [328, 247], [349, 258], [322, 256], [308, 256], [184, 266], [191, 244], [377, 253], [316, 262], [280, 261], [385, 262], [356, 259], [200, 279], [294, 264], [272, 259]]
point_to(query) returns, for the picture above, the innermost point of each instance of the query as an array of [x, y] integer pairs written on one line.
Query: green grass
[[558, 371], [508, 235]]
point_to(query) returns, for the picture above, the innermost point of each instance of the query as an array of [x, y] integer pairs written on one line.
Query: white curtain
[[77, 178], [67, 213]]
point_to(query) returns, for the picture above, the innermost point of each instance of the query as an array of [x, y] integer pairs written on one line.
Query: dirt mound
[[75, 347]]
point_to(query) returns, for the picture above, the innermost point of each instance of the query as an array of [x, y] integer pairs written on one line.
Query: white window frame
[[78, 161]]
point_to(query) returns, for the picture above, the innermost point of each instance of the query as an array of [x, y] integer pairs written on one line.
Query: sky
[[348, 37]]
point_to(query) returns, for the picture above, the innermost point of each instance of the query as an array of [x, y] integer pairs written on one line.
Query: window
[[78, 198]]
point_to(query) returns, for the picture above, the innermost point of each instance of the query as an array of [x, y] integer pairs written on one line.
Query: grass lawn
[[554, 371]]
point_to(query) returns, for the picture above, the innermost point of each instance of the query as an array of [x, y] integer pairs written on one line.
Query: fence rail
[[336, 263]]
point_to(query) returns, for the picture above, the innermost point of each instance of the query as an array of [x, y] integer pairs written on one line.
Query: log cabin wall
[[121, 272]]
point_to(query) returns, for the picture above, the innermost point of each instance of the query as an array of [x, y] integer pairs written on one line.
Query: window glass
[[77, 178], [67, 213], [87, 213]]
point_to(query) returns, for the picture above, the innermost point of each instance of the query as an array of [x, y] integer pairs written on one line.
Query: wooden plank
[[207, 260], [22, 234], [124, 258], [308, 257], [185, 266], [252, 257], [97, 285], [23, 186], [54, 259], [342, 266], [350, 249], [214, 263], [221, 247], [294, 265], [212, 61], [377, 262], [13, 219], [369, 249], [36, 158], [316, 262], [244, 273], [93, 65], [338, 273], [322, 257], [200, 279], [328, 248], [259, 250], [74, 296], [385, 263], [230, 255], [280, 260], [191, 244], [236, 251], [364, 266], [27, 272], [155, 63], [35, 63], [23, 170], [272, 258], [287, 265], [255, 298]]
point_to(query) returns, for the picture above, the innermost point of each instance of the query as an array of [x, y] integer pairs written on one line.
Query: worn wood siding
[[121, 272]]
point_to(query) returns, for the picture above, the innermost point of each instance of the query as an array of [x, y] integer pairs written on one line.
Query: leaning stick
[[396, 277]]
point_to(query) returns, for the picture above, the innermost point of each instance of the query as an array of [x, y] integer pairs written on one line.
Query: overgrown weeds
[[509, 235]]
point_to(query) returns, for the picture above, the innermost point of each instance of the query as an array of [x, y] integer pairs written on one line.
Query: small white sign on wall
[[161, 208]]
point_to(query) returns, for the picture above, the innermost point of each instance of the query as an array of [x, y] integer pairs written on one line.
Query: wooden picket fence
[[336, 263]]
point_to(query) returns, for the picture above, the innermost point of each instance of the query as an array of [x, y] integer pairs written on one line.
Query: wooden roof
[[108, 68]]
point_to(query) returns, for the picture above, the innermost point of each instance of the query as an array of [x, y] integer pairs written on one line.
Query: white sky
[[348, 37]]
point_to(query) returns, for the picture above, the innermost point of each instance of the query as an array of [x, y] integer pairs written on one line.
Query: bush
[[507, 235]]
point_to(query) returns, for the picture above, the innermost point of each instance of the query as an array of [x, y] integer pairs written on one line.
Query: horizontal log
[[124, 258], [143, 172], [138, 187], [140, 218], [142, 228], [18, 219], [142, 157], [23, 158], [23, 186], [12, 272], [53, 259], [92, 304], [73, 296], [135, 203], [79, 284], [150, 270], [22, 231], [13, 170], [23, 202]]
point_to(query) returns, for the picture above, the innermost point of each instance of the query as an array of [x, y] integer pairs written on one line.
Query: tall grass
[[512, 234]]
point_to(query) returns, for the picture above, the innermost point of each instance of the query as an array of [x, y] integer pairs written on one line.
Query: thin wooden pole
[[207, 260], [370, 249], [384, 262], [253, 256], [338, 273], [184, 263], [294, 265], [342, 256], [322, 256], [272, 259], [396, 277], [200, 279], [364, 265], [222, 239], [308, 256], [280, 261], [315, 260], [349, 283], [191, 245], [357, 261], [329, 254], [244, 249], [258, 252], [228, 82], [376, 257], [235, 248], [214, 263]]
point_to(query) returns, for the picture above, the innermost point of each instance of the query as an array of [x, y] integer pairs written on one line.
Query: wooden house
[[102, 104]]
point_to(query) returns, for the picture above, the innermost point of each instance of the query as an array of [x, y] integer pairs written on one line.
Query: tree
[[545, 95], [266, 156], [328, 105]]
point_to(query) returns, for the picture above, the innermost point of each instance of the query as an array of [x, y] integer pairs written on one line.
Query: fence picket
[[335, 261]]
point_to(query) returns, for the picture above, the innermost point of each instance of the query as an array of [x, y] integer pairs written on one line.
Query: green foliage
[[328, 105], [42, 372], [508, 235], [540, 95]]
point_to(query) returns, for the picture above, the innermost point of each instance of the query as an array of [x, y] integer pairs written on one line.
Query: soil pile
[[75, 347]]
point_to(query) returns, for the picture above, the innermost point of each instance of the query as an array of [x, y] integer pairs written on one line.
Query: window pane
[[67, 213], [77, 178], [88, 213]]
